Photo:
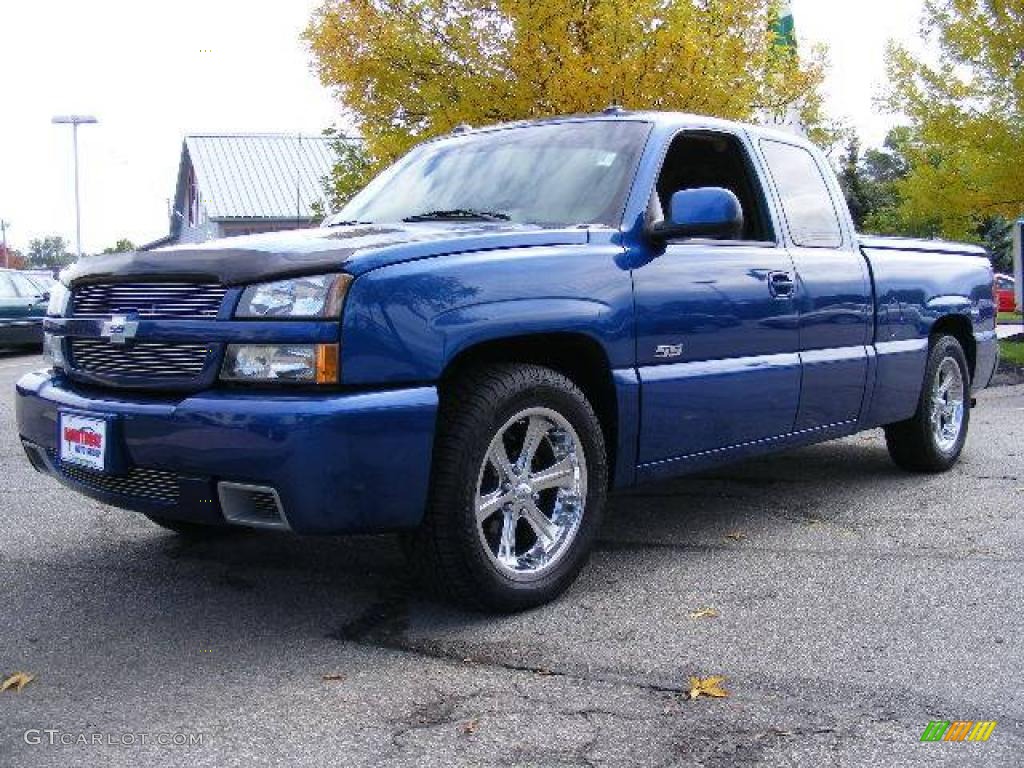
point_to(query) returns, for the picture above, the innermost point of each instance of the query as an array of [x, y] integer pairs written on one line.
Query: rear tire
[[933, 438], [517, 492]]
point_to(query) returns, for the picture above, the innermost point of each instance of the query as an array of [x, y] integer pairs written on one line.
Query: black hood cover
[[354, 249]]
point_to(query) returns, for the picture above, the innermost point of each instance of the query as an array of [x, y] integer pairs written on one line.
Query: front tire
[[517, 492], [933, 438]]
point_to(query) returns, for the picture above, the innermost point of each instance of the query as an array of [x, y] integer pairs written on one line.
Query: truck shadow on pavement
[[358, 589], [705, 511]]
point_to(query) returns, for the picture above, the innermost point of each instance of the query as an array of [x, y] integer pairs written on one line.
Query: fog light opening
[[255, 506]]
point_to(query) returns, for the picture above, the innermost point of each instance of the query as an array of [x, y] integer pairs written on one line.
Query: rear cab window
[[807, 204]]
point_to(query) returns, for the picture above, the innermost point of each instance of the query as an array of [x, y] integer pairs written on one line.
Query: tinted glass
[[560, 174], [1003, 284], [810, 214], [45, 282], [700, 159], [7, 288]]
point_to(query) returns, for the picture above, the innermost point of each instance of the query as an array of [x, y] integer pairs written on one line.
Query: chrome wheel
[[947, 415], [531, 493]]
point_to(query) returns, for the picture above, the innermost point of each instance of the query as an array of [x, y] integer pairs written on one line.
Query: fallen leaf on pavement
[[704, 613], [333, 678], [470, 726], [707, 686], [17, 681], [736, 536]]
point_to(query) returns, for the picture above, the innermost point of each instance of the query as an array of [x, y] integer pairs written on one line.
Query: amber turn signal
[[327, 364]]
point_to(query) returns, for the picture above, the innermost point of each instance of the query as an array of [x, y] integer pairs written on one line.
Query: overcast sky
[[154, 72]]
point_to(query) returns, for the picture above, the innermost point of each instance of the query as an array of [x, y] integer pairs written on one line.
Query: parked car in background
[[495, 332], [23, 301], [44, 280], [1004, 293]]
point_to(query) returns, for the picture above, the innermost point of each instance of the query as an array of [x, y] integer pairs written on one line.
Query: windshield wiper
[[456, 214], [347, 223]]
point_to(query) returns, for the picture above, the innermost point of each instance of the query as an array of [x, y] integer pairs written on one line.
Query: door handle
[[781, 284]]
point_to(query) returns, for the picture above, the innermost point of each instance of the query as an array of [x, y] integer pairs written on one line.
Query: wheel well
[[576, 356], [959, 327]]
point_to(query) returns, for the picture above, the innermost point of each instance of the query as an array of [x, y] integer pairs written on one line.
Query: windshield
[[44, 282], [559, 174]]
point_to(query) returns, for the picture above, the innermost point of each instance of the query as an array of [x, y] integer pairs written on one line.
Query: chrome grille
[[149, 300], [139, 483], [154, 360]]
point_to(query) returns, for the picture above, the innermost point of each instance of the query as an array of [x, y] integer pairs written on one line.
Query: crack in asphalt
[[384, 624]]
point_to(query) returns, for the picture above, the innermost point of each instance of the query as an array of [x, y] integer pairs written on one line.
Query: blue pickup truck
[[498, 330]]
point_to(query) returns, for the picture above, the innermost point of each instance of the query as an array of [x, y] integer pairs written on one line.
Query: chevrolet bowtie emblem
[[119, 329]]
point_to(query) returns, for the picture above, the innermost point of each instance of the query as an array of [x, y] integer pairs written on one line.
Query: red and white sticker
[[83, 440]]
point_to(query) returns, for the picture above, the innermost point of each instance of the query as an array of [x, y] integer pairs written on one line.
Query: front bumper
[[338, 462]]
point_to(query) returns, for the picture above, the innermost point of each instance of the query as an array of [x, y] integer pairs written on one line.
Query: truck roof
[[667, 120]]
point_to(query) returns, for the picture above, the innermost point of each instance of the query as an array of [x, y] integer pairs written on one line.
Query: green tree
[[996, 234], [405, 70], [873, 182], [965, 105], [51, 251], [870, 184], [853, 182], [121, 246], [353, 169]]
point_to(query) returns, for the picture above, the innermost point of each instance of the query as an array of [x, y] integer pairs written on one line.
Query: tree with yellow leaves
[[405, 70], [966, 113]]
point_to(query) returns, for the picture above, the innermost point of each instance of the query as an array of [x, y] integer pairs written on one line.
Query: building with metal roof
[[238, 184]]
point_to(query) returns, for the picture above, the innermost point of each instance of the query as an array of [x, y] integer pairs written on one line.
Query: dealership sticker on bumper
[[83, 440]]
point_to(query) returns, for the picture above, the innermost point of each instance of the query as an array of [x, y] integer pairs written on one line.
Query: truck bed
[[915, 282]]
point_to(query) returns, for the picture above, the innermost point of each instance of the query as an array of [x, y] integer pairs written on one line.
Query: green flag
[[785, 29]]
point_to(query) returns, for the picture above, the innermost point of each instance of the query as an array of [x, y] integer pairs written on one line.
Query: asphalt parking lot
[[856, 603]]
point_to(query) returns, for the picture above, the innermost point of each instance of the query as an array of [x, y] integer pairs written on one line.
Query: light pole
[[3, 229], [75, 121]]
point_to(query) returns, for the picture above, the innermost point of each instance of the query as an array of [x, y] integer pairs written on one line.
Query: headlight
[[298, 363], [301, 297], [60, 297]]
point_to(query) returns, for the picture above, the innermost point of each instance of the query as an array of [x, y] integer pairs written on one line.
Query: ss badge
[[665, 351]]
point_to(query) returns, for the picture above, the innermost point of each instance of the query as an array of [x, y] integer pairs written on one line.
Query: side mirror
[[709, 212]]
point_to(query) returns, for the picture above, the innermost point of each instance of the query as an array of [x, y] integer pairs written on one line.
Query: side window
[[7, 288], [1003, 284], [697, 160], [810, 212]]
